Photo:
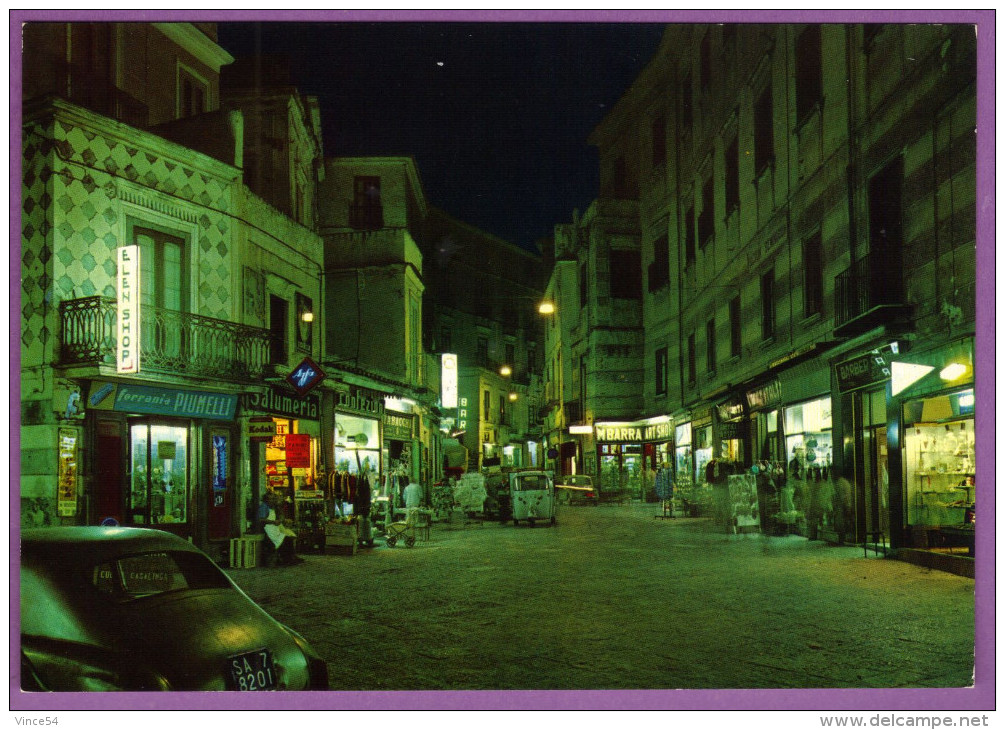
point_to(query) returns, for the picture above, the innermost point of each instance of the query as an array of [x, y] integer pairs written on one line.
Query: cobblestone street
[[612, 598]]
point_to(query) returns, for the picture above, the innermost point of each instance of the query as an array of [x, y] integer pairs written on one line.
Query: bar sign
[[127, 330]]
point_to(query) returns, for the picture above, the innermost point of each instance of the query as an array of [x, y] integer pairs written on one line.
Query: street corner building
[[212, 310]]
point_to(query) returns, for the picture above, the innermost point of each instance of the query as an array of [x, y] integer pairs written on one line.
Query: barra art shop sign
[[127, 326]]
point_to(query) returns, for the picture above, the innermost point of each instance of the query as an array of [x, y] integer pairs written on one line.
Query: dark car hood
[[189, 637]]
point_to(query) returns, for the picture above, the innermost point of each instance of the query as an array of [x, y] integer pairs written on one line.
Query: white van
[[533, 497]]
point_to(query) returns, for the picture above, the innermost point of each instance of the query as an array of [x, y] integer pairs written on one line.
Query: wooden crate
[[244, 551]]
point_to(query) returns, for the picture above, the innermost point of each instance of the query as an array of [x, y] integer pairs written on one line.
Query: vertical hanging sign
[[448, 380], [127, 330]]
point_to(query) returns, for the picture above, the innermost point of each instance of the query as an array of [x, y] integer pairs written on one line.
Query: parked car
[[114, 608], [578, 489], [533, 496]]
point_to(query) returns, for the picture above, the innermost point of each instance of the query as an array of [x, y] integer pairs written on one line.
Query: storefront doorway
[[159, 474]]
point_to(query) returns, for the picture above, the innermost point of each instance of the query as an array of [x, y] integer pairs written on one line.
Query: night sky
[[496, 115]]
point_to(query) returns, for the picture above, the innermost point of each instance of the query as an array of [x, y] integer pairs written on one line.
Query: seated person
[[279, 534]]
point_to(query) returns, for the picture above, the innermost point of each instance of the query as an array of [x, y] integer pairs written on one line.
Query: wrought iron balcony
[[172, 342], [868, 293]]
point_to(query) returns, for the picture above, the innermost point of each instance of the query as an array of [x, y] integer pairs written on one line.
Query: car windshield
[[129, 577]]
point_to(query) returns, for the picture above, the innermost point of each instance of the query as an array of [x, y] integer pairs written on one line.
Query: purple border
[[980, 697]]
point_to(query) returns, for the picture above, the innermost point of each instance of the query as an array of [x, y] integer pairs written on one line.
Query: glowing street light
[[513, 396], [953, 371], [546, 307], [505, 371]]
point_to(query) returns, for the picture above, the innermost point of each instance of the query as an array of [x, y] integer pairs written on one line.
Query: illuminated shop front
[[162, 457], [862, 455], [809, 493], [733, 431], [627, 454], [933, 475], [284, 451]]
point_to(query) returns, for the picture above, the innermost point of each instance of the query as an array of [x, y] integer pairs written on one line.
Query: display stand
[[341, 538], [743, 500], [310, 518]]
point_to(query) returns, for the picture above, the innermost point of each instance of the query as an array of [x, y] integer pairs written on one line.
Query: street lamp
[[546, 307], [505, 371], [513, 396]]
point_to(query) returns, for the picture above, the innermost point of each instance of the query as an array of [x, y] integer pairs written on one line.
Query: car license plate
[[254, 671]]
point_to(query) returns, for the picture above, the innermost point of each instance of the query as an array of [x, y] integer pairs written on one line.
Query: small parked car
[[533, 496], [116, 608], [578, 489]]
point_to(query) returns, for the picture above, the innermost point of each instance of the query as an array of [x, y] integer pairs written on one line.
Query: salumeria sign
[[127, 327]]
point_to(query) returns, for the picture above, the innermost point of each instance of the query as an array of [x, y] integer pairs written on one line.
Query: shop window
[[813, 276], [706, 219], [661, 371], [702, 449], [689, 236], [808, 502], [939, 467], [735, 328], [626, 274], [710, 345], [158, 474], [764, 131], [691, 374], [367, 212], [768, 305], [732, 176], [659, 139], [809, 72], [279, 310], [682, 460]]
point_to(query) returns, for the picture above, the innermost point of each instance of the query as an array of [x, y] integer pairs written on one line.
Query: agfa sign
[[127, 327]]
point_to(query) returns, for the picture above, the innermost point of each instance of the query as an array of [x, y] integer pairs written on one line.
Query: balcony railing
[[171, 342], [868, 293]]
